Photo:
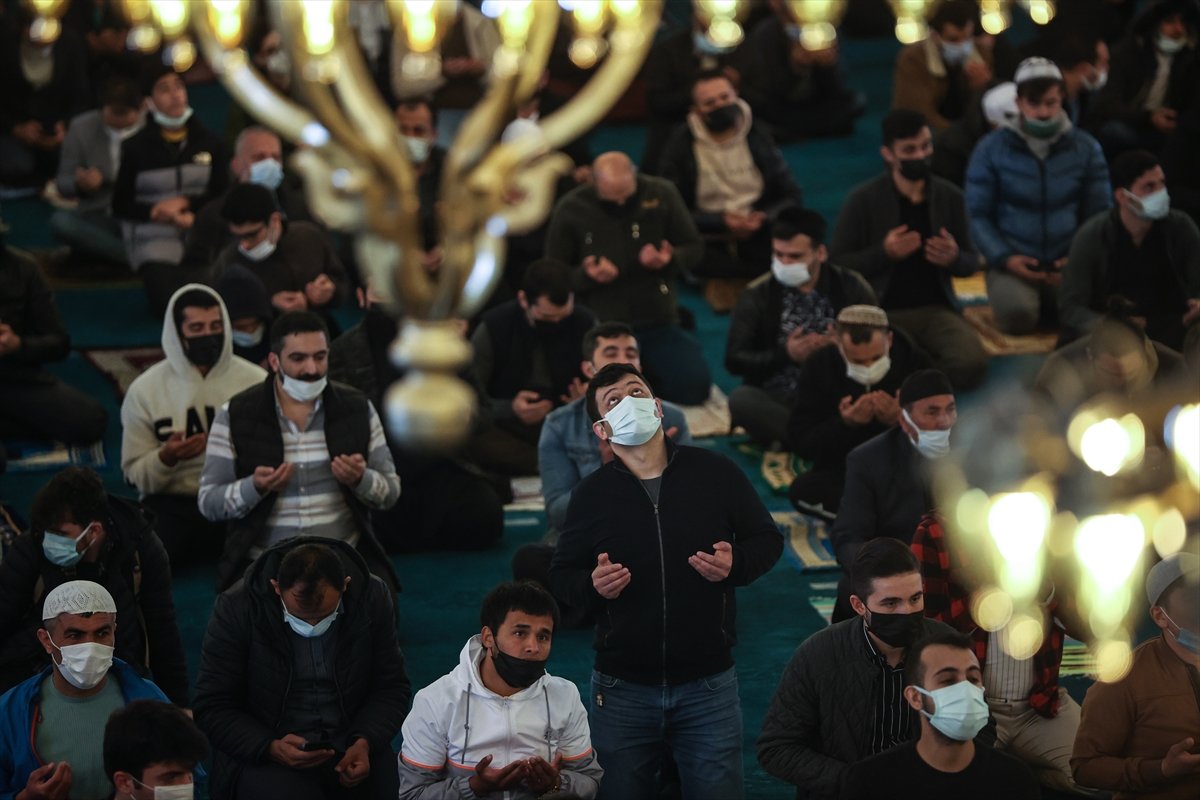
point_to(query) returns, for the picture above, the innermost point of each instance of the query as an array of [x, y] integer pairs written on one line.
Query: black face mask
[[519, 673], [897, 630], [203, 351], [915, 169], [722, 119]]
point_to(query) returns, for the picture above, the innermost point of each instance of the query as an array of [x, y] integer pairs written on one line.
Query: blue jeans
[[91, 233], [699, 723]]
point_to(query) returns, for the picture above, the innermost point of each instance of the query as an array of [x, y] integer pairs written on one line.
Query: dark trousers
[[508, 447], [187, 536], [447, 508], [821, 485], [762, 412], [673, 361], [47, 408], [727, 257], [272, 781]]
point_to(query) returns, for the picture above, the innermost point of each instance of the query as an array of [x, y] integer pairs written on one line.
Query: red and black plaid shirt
[[948, 602]]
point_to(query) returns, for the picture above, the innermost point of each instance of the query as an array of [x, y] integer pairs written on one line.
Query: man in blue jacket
[[52, 725], [1030, 185], [655, 543]]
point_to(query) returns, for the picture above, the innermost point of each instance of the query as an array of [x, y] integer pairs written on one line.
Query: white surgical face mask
[[1097, 83], [869, 374], [173, 122], [1168, 46], [260, 251], [1155, 205], [418, 149], [959, 710], [307, 629], [122, 134], [181, 791], [956, 53], [303, 391], [634, 421], [268, 173], [930, 444], [84, 665], [790, 275], [249, 339]]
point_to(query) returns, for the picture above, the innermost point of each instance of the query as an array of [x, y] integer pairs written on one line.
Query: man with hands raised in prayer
[[655, 542]]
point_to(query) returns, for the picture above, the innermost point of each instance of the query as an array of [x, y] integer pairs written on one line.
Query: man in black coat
[[302, 683], [79, 532], [655, 542], [849, 397], [840, 698]]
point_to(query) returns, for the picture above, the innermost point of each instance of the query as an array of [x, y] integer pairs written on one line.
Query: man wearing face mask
[[1138, 735], [656, 542], [1142, 250], [940, 75], [416, 119], [82, 532], [169, 171], [906, 231], [849, 397], [151, 751], [257, 158], [783, 320], [297, 455], [250, 313], [499, 723], [840, 698], [944, 684], [1082, 56], [526, 356], [888, 479], [52, 725], [734, 181], [302, 684], [295, 261], [1030, 185], [88, 169], [1147, 89], [168, 412]]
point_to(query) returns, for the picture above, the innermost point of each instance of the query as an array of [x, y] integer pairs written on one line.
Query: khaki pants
[[1043, 744]]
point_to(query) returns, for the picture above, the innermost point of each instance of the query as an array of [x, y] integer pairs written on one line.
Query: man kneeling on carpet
[[168, 412], [499, 724]]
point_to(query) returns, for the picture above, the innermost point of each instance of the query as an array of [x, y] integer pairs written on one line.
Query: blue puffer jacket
[[17, 709], [1021, 205]]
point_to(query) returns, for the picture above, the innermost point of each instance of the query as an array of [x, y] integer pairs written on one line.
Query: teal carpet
[[439, 607]]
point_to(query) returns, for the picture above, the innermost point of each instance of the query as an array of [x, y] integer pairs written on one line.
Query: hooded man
[[168, 411]]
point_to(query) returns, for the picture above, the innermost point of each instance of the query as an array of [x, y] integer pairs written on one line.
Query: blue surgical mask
[[930, 444], [956, 53], [63, 550], [959, 711], [1155, 205], [268, 173], [307, 629], [173, 122], [1188, 640], [249, 338]]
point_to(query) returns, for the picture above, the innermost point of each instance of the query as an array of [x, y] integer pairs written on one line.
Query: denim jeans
[[699, 723], [91, 233]]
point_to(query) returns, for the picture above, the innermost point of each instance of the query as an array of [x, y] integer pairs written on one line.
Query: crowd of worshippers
[[1061, 172]]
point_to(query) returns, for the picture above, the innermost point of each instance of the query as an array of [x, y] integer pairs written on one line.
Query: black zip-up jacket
[[670, 625], [246, 666], [27, 306]]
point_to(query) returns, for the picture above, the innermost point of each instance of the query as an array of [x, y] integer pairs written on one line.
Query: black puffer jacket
[[246, 666], [147, 634]]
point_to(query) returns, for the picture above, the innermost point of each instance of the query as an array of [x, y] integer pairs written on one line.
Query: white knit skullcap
[[78, 597], [1000, 103], [1036, 67]]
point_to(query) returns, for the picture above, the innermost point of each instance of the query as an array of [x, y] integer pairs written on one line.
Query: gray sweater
[[88, 144]]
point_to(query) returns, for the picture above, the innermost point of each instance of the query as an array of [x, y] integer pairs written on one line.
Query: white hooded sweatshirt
[[456, 721], [172, 396]]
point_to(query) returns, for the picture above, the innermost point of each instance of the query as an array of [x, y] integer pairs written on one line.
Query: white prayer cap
[[78, 597], [1036, 67], [1000, 103]]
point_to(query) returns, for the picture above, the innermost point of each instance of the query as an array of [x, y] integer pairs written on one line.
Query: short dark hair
[[549, 278], [306, 566], [193, 298], [413, 103], [525, 596], [914, 670], [154, 70], [1131, 165], [605, 330], [1034, 89], [712, 74], [148, 732], [248, 202], [120, 91], [1074, 48], [859, 334], [880, 558], [607, 376], [793, 221], [292, 322], [953, 12], [76, 494], [901, 123]]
